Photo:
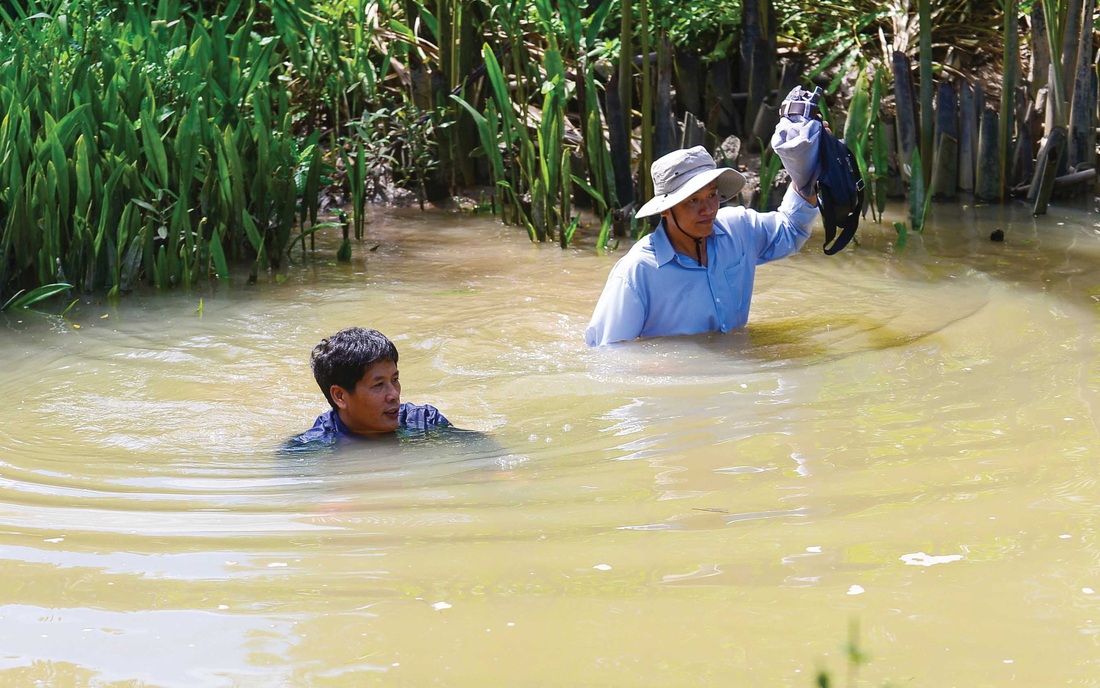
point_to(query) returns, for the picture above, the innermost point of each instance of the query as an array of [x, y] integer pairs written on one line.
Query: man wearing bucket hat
[[695, 272]]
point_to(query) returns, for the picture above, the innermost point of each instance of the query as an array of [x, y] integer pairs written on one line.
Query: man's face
[[696, 213], [372, 407]]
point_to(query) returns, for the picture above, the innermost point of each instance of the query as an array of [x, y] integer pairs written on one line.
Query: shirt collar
[[663, 250], [338, 423], [662, 247]]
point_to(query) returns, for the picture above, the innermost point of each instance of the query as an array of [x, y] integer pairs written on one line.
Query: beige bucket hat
[[679, 174]]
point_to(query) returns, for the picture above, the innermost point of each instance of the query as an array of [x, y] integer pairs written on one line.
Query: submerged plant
[[919, 199], [855, 655], [26, 299], [903, 234]]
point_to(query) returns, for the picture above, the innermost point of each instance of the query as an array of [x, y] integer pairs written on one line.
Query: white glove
[[796, 138], [796, 144]]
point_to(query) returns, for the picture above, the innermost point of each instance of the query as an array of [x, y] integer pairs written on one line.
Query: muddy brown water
[[903, 440]]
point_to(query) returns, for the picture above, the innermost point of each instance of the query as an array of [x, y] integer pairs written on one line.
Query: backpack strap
[[839, 166]]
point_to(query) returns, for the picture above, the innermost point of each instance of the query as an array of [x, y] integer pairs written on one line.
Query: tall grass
[[166, 141], [522, 125], [151, 148]]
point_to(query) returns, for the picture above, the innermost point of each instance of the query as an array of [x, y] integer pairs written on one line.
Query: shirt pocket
[[735, 281]]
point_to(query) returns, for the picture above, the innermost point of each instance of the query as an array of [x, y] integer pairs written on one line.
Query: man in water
[[356, 370], [695, 272]]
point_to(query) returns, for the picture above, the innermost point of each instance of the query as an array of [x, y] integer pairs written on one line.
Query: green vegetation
[[150, 147], [27, 299], [164, 145], [167, 141], [855, 657]]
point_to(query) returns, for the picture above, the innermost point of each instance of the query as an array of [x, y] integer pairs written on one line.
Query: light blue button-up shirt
[[654, 291]]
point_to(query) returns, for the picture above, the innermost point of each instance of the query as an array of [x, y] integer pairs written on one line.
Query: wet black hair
[[343, 358]]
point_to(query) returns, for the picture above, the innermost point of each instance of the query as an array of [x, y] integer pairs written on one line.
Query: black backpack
[[840, 189]]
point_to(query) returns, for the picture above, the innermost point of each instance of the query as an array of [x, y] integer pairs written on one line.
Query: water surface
[[903, 439]]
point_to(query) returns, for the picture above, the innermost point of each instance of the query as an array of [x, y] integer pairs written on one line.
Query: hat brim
[[730, 181]]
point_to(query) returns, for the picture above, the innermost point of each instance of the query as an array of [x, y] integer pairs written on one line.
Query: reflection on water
[[908, 438]]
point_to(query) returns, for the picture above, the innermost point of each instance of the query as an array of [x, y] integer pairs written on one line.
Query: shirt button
[[718, 300]]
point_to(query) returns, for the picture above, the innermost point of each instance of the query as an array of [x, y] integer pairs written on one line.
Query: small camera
[[802, 102]]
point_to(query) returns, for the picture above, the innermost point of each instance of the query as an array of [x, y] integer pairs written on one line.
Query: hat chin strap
[[698, 240]]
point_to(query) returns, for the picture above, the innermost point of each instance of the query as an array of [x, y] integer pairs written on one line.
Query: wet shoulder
[[421, 417], [322, 437]]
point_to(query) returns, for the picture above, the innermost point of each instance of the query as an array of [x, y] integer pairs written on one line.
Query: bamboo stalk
[[751, 33], [1057, 93], [647, 104], [618, 144], [1040, 51], [694, 132], [988, 184], [926, 90], [1071, 31], [1008, 94], [663, 134], [945, 177], [1046, 168], [1022, 159], [947, 112], [758, 86], [624, 85], [721, 113], [689, 91], [1082, 121], [906, 110], [967, 135]]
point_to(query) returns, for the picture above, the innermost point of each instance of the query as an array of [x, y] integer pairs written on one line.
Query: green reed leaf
[[25, 299], [500, 89], [856, 125], [880, 156], [217, 255], [154, 147], [251, 231], [83, 175], [488, 139]]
